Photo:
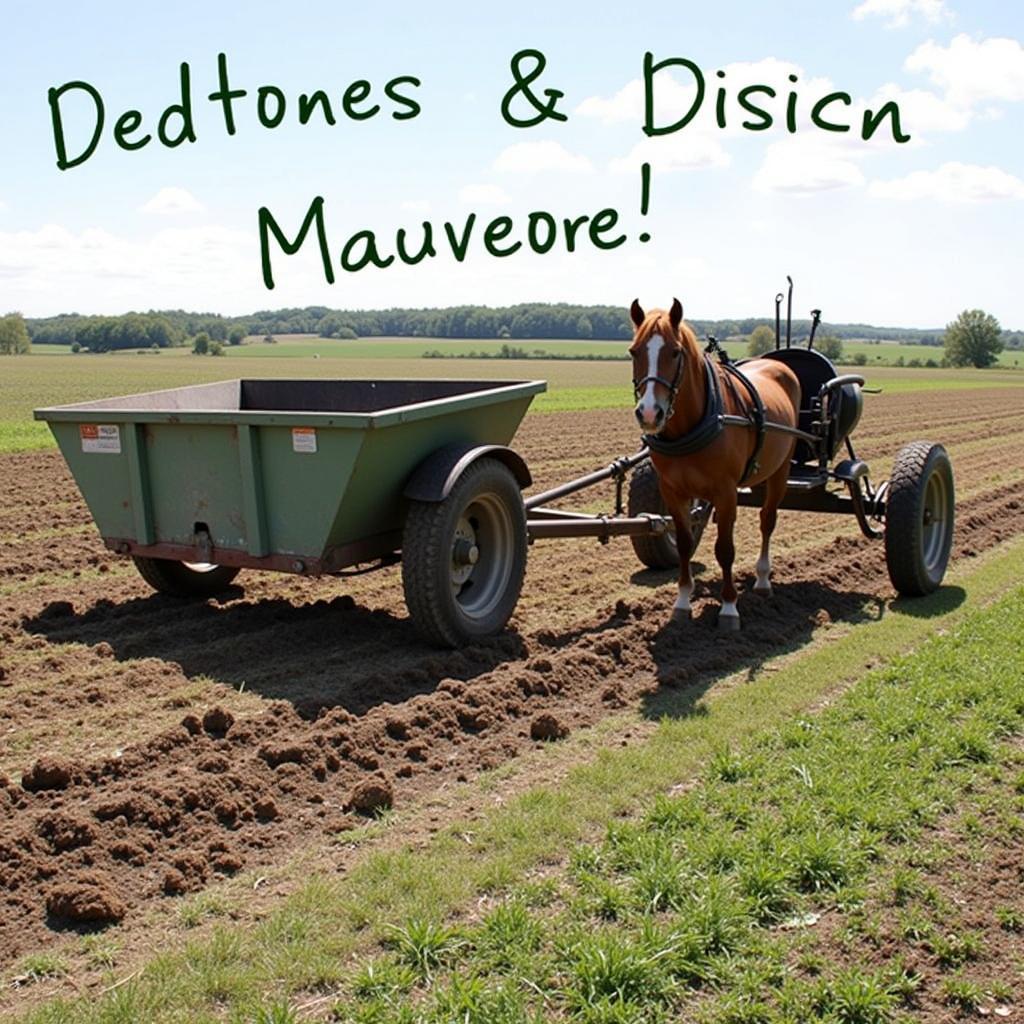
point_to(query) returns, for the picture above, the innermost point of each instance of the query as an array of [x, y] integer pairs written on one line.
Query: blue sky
[[871, 231]]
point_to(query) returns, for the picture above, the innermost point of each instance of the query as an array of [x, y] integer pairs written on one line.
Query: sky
[[871, 230]]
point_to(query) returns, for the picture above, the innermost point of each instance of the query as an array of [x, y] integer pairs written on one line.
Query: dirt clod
[[217, 721], [89, 898], [66, 831], [266, 809], [48, 773], [370, 795], [192, 724], [546, 726], [174, 883]]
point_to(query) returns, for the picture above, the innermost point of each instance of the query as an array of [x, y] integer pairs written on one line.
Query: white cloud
[[484, 195], [900, 12], [952, 182], [421, 207], [680, 152], [802, 166], [538, 157], [172, 201], [174, 267], [922, 111], [673, 100], [972, 72]]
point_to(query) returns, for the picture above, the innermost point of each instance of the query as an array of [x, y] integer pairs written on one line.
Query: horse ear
[[675, 314], [636, 313]]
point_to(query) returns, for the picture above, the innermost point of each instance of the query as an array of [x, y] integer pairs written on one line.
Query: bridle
[[673, 385]]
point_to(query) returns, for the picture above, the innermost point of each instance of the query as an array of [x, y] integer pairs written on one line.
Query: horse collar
[[710, 425]]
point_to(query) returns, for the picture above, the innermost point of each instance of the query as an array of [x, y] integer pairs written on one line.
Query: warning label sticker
[[99, 437], [304, 439]]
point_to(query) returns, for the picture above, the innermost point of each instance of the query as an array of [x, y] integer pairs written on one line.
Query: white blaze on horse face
[[648, 406]]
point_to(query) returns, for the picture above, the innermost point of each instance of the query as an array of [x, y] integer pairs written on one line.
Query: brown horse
[[671, 383]]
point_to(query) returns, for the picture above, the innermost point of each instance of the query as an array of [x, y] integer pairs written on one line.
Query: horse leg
[[684, 542], [775, 489], [725, 553]]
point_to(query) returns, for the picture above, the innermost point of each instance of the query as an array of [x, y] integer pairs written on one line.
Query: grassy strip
[[24, 436], [291, 346], [574, 387], [673, 916], [303, 945]]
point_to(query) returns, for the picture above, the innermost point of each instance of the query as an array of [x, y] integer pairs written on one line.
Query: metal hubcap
[[481, 562], [934, 522], [199, 566]]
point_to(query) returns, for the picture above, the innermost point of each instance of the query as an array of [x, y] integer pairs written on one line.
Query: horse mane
[[657, 322]]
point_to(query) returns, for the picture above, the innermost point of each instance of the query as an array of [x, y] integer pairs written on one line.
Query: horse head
[[659, 351]]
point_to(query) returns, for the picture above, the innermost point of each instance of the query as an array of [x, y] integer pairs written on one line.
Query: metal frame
[[810, 489], [812, 486]]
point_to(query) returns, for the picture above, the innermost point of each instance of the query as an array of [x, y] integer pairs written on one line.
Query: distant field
[[50, 377], [307, 346]]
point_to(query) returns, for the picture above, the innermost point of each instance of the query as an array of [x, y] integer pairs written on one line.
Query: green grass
[[672, 916], [414, 348], [39, 966], [642, 876], [885, 353], [29, 382]]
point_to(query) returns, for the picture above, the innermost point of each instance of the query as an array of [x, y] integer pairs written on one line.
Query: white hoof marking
[[729, 617], [763, 568]]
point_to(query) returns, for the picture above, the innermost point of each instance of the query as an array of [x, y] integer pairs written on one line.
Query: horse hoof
[[765, 591], [729, 623], [681, 615]]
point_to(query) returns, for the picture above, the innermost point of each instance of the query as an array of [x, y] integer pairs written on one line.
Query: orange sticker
[[303, 439], [100, 437]]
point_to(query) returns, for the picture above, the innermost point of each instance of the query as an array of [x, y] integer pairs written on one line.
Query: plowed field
[[148, 747]]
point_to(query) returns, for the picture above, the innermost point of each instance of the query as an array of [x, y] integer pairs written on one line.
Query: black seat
[[812, 369]]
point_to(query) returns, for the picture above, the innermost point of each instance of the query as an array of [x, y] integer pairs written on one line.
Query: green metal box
[[297, 475]]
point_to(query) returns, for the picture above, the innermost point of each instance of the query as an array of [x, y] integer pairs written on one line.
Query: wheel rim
[[481, 560], [670, 537], [199, 566], [935, 524]]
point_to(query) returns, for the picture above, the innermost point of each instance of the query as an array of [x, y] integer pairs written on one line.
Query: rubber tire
[[656, 551], [915, 465], [177, 580], [427, 541]]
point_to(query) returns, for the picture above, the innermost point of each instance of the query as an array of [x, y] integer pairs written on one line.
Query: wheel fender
[[850, 470], [434, 478]]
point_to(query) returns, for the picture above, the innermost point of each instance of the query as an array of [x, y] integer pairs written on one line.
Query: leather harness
[[715, 419]]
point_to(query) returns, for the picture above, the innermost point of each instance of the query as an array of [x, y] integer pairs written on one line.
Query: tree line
[[975, 338], [533, 321]]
